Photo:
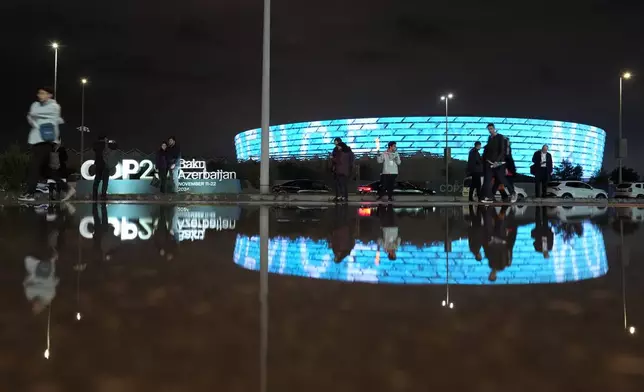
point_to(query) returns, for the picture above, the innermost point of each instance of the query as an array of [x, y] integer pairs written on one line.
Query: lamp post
[[625, 75], [82, 128], [55, 46], [264, 185], [446, 98]]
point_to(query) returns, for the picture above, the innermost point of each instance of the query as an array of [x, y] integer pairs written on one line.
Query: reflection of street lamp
[[624, 261], [263, 295], [625, 75], [55, 46], [448, 248], [446, 98]]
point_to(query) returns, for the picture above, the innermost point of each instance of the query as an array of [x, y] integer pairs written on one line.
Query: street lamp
[[264, 185], [622, 77], [82, 128], [446, 98], [55, 46]]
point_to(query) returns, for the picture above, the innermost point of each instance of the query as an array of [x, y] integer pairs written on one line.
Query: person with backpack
[[44, 118], [494, 165], [104, 162]]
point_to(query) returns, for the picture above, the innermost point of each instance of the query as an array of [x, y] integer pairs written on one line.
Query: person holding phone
[[390, 160], [104, 162]]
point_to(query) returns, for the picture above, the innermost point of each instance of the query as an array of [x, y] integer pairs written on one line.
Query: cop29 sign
[[132, 176]]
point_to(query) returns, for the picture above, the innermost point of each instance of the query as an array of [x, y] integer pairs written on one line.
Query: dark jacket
[[98, 147], [63, 158], [173, 154], [536, 162], [162, 159], [474, 162], [495, 149], [343, 160]]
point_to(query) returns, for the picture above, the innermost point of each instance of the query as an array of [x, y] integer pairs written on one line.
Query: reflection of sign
[[124, 171], [192, 225], [124, 228]]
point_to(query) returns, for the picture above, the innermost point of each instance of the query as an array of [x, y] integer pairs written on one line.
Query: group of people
[[496, 164], [342, 161], [49, 157]]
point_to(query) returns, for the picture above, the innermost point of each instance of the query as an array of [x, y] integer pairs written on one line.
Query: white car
[[467, 182], [574, 190], [629, 190]]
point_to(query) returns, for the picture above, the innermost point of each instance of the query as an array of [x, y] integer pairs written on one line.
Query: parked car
[[630, 190], [574, 189], [401, 188], [467, 182], [302, 186]]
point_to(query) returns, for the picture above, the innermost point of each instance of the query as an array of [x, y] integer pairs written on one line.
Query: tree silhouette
[[566, 171], [600, 177], [628, 175]]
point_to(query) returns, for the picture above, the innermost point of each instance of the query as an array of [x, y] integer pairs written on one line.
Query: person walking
[[494, 165], [390, 160], [162, 166], [104, 162], [342, 166], [541, 169], [174, 161], [44, 118], [475, 170]]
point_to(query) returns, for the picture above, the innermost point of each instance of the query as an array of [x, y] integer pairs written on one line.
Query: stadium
[[578, 143]]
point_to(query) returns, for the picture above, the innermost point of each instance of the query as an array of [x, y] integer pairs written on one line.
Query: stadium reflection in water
[[571, 258]]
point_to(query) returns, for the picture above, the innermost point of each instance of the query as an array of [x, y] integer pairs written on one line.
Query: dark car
[[401, 188], [302, 186]]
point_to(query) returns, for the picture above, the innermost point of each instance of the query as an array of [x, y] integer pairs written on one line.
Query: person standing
[[104, 162], [162, 166], [44, 118], [342, 166], [541, 169], [390, 160], [494, 165], [475, 170], [174, 161]]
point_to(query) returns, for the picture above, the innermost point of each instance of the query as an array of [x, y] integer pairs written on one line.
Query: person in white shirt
[[390, 160], [541, 169]]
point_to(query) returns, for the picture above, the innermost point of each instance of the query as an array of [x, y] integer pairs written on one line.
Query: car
[[629, 190], [467, 182], [401, 188], [302, 187], [574, 189]]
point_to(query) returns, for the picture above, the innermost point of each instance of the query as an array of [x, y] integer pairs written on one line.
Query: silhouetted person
[[390, 240], [162, 166], [343, 236], [541, 169], [475, 170], [476, 232], [542, 233], [174, 161], [494, 165], [104, 162], [343, 159]]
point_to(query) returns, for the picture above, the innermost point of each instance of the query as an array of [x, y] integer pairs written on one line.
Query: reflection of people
[[101, 231], [163, 236], [476, 232], [103, 164], [390, 240], [542, 233], [342, 237], [500, 239]]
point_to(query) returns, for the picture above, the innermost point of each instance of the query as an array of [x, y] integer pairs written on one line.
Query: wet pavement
[[125, 297]]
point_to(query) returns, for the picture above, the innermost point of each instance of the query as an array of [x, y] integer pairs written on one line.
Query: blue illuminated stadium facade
[[580, 258], [578, 143]]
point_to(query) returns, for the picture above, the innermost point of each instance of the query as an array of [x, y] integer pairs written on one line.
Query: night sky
[[192, 68]]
